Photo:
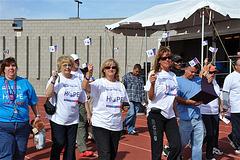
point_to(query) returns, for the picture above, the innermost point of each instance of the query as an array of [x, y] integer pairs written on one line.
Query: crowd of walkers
[[169, 94]]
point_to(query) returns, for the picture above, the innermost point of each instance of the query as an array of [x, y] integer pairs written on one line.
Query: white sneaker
[[217, 151], [166, 150], [237, 151]]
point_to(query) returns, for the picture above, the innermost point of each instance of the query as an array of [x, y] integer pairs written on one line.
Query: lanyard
[[11, 96]]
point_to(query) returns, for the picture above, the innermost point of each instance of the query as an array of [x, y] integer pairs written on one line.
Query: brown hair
[[7, 61], [109, 62], [156, 66]]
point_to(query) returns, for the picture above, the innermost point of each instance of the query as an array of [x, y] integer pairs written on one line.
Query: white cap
[[74, 56]]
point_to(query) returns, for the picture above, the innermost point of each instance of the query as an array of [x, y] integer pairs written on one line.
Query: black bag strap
[[56, 93]]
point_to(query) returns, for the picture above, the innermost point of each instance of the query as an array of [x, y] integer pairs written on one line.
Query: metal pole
[[39, 57], [126, 66], [79, 2], [4, 45], [51, 57], [202, 39], [104, 47], [88, 52], [146, 54], [78, 9], [113, 48], [100, 54], [27, 57]]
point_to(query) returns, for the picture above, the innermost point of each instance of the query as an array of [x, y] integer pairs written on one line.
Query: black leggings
[[157, 124]]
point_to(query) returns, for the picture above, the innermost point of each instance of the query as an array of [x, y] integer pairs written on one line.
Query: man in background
[[84, 114], [134, 85], [175, 68], [231, 96], [177, 64]]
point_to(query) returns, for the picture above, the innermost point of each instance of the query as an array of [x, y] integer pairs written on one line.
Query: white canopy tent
[[192, 15]]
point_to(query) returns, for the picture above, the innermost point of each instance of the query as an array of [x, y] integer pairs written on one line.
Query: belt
[[155, 110]]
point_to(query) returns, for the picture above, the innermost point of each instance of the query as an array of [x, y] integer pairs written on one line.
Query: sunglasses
[[113, 67], [65, 65], [165, 58], [179, 61], [213, 72]]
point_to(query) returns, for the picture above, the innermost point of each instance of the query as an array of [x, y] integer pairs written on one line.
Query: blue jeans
[[131, 117], [192, 130], [13, 140]]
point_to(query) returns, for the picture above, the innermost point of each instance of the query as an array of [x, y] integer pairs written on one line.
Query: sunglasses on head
[[165, 58], [113, 67], [212, 72]]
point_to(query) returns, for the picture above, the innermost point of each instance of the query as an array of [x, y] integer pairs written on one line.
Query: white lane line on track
[[148, 150], [141, 125], [231, 155], [138, 119], [222, 132], [28, 158]]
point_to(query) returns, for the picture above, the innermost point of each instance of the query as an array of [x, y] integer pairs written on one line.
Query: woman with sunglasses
[[67, 90], [210, 113], [162, 89], [108, 95]]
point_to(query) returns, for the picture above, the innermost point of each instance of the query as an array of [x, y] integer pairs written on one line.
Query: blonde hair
[[156, 66], [109, 62], [64, 59]]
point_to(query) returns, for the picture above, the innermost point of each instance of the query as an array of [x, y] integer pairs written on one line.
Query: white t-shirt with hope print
[[69, 93], [79, 74], [165, 90], [108, 98]]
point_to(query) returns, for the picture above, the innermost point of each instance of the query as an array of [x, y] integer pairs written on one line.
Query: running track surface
[[130, 147]]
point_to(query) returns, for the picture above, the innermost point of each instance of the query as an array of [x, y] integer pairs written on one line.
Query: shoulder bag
[[50, 109]]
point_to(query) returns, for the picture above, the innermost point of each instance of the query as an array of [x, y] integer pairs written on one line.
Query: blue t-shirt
[[187, 88], [26, 95]]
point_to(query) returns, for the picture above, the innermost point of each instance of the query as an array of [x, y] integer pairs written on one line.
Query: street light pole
[[79, 2]]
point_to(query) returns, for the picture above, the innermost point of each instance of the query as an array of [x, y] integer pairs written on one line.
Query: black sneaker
[[180, 158], [166, 151], [133, 133], [124, 131]]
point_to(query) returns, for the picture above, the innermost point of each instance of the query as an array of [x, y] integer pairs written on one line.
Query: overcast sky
[[63, 9]]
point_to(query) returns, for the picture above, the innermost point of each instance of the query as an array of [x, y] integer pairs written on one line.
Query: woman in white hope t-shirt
[[67, 90], [109, 95], [162, 89]]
